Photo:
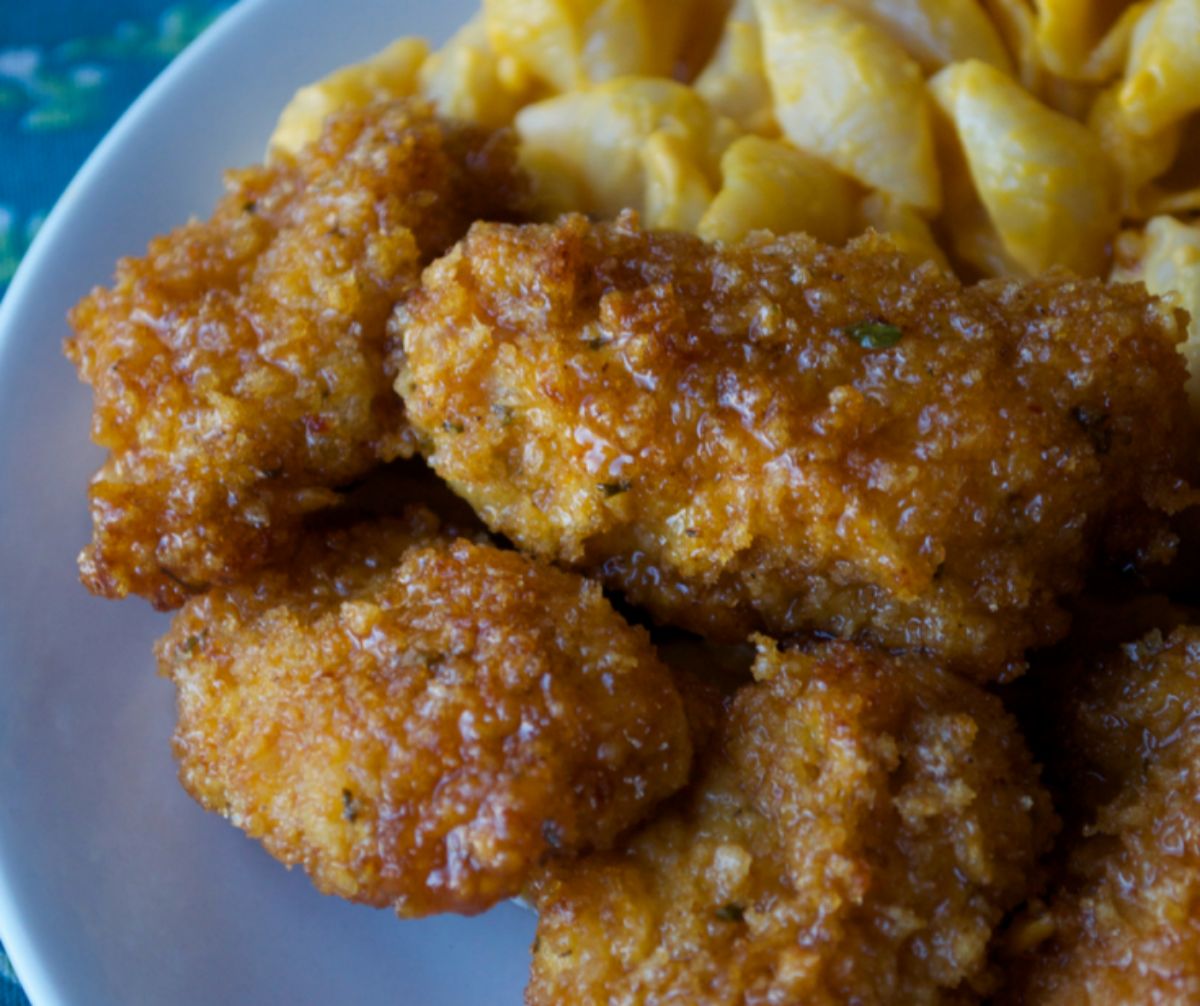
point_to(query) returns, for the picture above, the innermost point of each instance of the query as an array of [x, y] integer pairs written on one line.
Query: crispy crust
[[418, 721], [239, 367], [1124, 923], [858, 829], [699, 425]]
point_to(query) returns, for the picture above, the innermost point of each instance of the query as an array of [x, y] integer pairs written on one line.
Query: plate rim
[[87, 937], [29, 963], [226, 23]]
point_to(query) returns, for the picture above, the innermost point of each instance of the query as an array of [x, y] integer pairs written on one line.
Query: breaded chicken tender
[[860, 826], [1124, 926], [1046, 698], [239, 367], [419, 720], [779, 434]]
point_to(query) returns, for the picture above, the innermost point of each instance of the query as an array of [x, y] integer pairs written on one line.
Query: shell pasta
[[990, 137]]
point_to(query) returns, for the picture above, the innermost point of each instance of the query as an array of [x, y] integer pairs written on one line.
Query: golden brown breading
[[860, 826], [419, 721], [729, 435], [1043, 700], [239, 368], [1124, 927]]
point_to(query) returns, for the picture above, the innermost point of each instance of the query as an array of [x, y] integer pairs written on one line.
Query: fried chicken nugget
[[239, 368], [1124, 927], [779, 434], [860, 826], [418, 720]]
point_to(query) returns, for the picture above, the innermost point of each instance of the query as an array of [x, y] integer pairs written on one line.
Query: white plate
[[115, 889]]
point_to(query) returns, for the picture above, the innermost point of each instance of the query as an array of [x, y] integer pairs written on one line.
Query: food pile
[[724, 472]]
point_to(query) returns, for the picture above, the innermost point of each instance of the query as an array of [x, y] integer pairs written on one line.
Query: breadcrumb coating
[[780, 434], [1124, 924], [240, 367], [419, 721], [859, 827]]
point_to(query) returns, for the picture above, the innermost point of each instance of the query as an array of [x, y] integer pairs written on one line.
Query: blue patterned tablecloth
[[68, 69]]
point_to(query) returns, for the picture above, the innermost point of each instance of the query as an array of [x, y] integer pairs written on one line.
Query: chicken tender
[[1045, 698], [418, 721], [860, 826], [240, 368], [1124, 927], [779, 434]]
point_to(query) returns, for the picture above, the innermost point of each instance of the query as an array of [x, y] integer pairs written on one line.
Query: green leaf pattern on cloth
[[16, 235], [78, 85]]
